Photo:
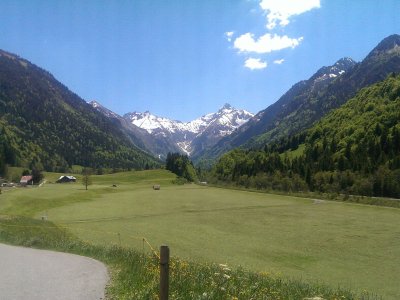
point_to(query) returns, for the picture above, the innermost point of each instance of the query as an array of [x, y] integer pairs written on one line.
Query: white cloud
[[279, 61], [255, 64], [229, 35], [280, 11], [265, 44]]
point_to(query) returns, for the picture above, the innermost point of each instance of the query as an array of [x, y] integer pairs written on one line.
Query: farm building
[[25, 180], [65, 178]]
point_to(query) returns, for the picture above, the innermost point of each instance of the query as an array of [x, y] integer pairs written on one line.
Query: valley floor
[[339, 244]]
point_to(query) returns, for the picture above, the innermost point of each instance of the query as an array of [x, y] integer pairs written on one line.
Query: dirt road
[[39, 274]]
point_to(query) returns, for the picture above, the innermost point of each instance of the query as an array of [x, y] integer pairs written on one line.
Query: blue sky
[[182, 59]]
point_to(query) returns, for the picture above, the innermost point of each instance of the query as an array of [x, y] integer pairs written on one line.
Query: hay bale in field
[[318, 201]]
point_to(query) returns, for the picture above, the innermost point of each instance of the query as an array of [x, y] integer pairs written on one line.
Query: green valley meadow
[[306, 241]]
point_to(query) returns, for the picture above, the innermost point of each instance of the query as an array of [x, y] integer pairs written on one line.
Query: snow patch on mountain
[[151, 122], [339, 68], [226, 116], [218, 124]]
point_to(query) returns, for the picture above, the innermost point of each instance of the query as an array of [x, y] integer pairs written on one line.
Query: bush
[[180, 181]]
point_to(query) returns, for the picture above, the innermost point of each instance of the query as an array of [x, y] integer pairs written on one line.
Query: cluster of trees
[[181, 165], [258, 169], [272, 171], [355, 150]]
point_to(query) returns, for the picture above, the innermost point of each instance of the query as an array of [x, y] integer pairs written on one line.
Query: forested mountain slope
[[308, 101], [45, 125], [354, 149]]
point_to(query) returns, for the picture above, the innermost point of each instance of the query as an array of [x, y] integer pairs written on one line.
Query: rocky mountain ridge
[[194, 135], [186, 137]]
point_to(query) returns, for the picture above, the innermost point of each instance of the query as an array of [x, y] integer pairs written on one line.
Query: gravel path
[[33, 274]]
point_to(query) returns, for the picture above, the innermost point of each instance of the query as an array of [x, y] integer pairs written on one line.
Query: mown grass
[[333, 244], [135, 275]]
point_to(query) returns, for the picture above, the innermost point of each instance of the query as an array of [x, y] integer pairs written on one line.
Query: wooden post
[[164, 272]]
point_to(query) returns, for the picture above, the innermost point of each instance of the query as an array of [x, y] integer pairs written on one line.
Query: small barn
[[25, 180], [66, 178]]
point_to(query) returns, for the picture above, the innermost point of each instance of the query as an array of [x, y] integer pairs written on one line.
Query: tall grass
[[134, 275]]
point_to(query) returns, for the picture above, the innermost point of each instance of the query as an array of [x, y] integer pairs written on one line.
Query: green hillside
[[44, 125], [354, 149]]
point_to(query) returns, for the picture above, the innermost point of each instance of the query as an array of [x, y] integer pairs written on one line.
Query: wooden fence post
[[164, 272]]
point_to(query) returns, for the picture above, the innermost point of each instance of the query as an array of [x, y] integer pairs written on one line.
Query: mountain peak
[[226, 106], [341, 66], [389, 45], [345, 62]]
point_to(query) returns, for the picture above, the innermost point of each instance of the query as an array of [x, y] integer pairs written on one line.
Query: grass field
[[354, 246]]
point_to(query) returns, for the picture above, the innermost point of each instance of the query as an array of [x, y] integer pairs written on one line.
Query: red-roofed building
[[25, 180]]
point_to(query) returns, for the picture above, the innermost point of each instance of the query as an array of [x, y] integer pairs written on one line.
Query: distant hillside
[[309, 100], [44, 125], [354, 149]]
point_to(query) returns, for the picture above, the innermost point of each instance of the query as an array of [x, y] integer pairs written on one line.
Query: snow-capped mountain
[[158, 146], [195, 135], [154, 124], [339, 68]]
